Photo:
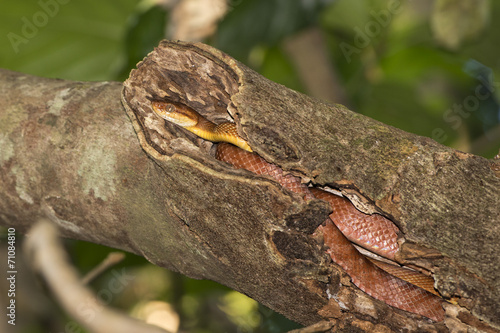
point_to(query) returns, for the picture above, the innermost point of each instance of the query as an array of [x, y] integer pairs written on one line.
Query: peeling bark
[[69, 152]]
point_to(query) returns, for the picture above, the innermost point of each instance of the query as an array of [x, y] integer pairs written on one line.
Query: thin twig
[[112, 259], [49, 258]]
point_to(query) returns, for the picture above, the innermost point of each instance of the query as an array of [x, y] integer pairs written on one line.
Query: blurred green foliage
[[73, 40], [380, 50], [263, 22], [401, 62]]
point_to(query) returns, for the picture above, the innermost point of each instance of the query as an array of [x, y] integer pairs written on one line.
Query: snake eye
[[162, 108], [169, 108]]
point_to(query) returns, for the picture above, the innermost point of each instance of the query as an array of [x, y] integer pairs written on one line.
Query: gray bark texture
[[69, 152]]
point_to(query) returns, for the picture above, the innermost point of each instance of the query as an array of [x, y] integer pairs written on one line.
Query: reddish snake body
[[371, 231]]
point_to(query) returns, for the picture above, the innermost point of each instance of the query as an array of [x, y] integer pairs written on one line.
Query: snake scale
[[409, 290]]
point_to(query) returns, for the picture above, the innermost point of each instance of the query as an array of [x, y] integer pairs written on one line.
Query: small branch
[[48, 257], [112, 259]]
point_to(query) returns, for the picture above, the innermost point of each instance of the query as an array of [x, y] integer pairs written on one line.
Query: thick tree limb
[[69, 152]]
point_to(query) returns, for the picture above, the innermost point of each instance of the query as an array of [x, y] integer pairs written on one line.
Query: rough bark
[[69, 152]]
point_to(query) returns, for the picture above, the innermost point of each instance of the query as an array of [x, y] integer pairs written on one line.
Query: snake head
[[176, 113], [192, 121]]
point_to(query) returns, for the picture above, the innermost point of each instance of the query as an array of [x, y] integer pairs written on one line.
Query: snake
[[397, 286]]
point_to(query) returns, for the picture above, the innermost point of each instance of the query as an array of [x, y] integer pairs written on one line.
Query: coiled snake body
[[345, 225]]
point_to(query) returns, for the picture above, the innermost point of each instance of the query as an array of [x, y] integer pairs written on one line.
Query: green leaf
[[277, 67], [263, 22], [73, 40], [144, 32]]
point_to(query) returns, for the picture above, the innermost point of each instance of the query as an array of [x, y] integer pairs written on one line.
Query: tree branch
[[48, 256], [69, 153]]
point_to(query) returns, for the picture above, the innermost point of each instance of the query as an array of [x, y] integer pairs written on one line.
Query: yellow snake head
[[191, 120], [176, 113]]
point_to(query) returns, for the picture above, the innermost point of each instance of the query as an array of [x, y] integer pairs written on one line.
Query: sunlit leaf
[[455, 21]]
